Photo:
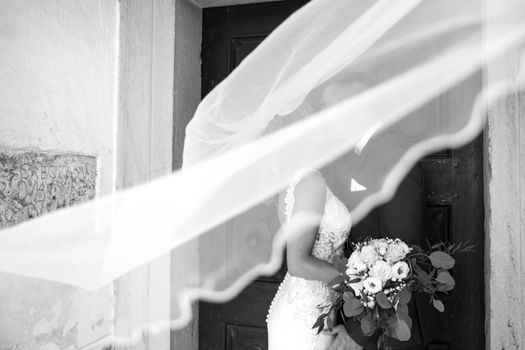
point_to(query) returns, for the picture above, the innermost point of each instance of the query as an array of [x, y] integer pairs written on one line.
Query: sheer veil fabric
[[358, 89]]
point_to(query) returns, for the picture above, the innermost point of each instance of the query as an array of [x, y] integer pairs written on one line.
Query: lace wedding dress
[[294, 309]]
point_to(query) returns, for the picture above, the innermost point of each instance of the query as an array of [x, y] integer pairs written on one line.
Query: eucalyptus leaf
[[405, 318], [416, 249], [339, 263], [391, 323], [438, 304], [441, 259], [402, 331], [419, 271], [352, 307], [446, 279], [368, 325], [402, 309], [383, 301], [404, 296], [347, 296], [336, 281]]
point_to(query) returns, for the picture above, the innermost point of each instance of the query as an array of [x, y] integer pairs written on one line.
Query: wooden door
[[454, 192], [454, 203], [229, 35]]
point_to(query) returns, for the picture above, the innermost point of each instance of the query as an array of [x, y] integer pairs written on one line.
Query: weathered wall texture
[[505, 202], [58, 63], [35, 183], [187, 96]]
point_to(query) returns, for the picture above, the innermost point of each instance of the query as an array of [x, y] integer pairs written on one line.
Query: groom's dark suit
[[403, 217]]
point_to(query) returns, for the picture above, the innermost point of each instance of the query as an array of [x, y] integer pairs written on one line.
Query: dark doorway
[[454, 196]]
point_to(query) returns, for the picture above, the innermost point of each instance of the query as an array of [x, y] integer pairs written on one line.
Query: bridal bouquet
[[377, 281]]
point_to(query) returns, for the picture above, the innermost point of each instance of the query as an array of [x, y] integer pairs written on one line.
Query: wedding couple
[[294, 309]]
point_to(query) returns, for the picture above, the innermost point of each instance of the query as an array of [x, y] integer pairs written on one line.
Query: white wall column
[[145, 136], [504, 172], [186, 98]]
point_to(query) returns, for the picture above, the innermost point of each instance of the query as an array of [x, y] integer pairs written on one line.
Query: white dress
[[294, 310]]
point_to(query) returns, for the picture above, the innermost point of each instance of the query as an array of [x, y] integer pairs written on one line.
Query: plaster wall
[[159, 89], [504, 171], [58, 63], [186, 98], [145, 127]]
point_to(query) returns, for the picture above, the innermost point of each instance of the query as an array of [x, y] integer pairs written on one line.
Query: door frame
[[172, 32]]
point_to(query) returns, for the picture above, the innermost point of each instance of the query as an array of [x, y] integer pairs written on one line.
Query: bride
[[294, 309]]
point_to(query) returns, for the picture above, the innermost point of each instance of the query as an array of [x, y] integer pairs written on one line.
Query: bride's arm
[[310, 197]]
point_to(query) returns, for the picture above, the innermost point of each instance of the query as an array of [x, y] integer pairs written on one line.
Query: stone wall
[[58, 63], [34, 183]]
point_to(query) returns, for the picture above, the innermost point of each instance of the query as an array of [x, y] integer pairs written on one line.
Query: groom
[[403, 217]]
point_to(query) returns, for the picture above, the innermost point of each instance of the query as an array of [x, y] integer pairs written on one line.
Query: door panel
[[454, 196], [230, 33], [454, 190]]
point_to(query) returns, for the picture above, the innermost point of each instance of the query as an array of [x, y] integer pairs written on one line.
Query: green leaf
[[352, 306], [330, 323], [438, 304], [402, 309], [383, 301], [402, 331], [339, 288], [416, 249], [437, 245], [391, 324], [446, 279], [348, 296], [336, 280], [404, 296], [379, 342], [319, 324], [405, 317], [442, 260], [321, 327], [339, 263], [354, 280], [368, 325], [419, 271]]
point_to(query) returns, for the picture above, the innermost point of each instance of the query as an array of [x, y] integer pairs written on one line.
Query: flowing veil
[[358, 89]]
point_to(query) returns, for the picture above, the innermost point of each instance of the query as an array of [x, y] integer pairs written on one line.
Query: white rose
[[371, 304], [381, 270], [368, 255], [351, 272], [357, 287], [381, 246], [400, 270], [404, 246], [373, 285], [355, 263], [396, 251]]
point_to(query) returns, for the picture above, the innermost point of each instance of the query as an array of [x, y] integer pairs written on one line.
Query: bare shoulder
[[311, 180], [310, 192]]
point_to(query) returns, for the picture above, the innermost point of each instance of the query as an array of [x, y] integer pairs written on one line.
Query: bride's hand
[[342, 341]]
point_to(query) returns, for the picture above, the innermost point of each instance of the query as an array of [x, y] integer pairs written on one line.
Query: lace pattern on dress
[[304, 296], [289, 198]]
